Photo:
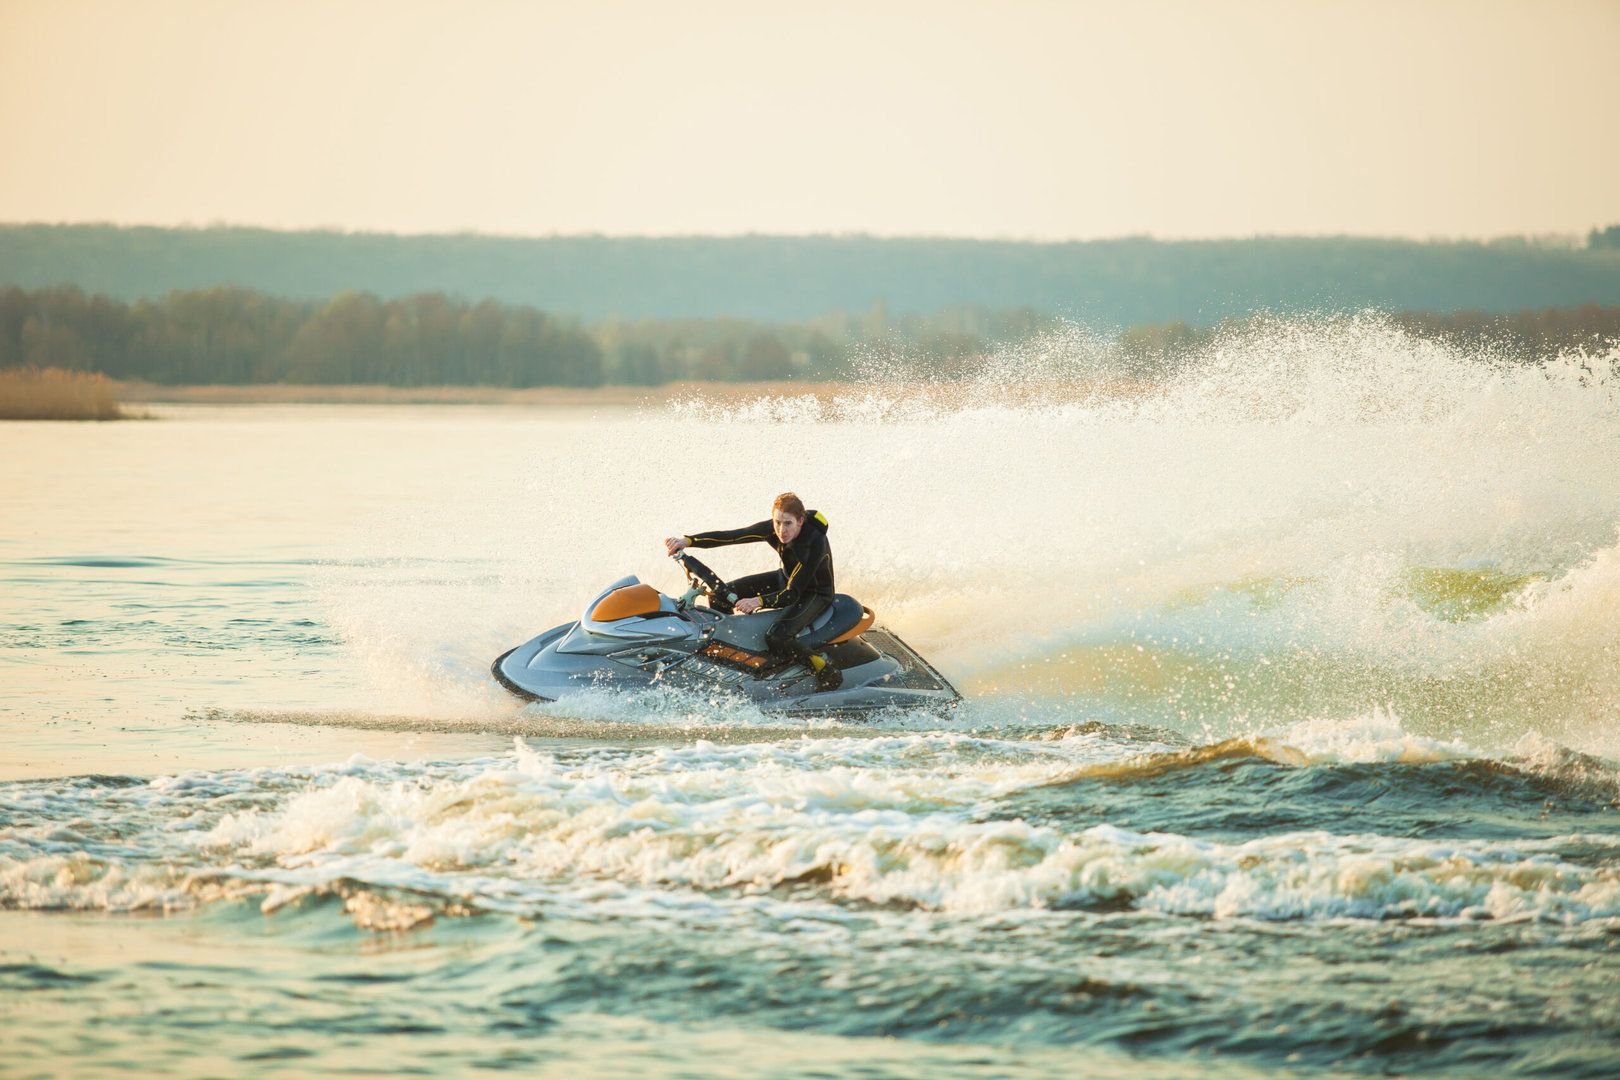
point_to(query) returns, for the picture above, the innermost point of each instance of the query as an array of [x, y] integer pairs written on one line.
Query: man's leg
[[752, 585], [781, 640]]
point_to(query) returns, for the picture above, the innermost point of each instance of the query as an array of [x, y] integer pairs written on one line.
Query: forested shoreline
[[235, 336], [228, 335]]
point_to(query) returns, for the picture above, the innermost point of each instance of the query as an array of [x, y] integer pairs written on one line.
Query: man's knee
[[782, 639], [783, 635]]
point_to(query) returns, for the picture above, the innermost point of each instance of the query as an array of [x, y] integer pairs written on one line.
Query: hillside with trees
[[1112, 283]]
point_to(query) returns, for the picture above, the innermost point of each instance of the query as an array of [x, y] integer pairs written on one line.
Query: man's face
[[786, 525]]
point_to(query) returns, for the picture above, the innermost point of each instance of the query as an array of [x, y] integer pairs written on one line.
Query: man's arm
[[752, 534]]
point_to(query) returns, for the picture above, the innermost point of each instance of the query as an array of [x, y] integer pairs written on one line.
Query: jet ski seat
[[843, 620]]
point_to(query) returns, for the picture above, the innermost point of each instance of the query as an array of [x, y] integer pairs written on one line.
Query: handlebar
[[705, 581]]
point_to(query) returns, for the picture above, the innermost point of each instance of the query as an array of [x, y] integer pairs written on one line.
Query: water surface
[[1288, 746]]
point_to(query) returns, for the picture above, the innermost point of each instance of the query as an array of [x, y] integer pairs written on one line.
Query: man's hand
[[676, 543], [746, 605]]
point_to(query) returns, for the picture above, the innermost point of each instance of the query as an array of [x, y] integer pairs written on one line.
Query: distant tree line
[[654, 351], [233, 335], [1528, 336], [230, 335], [1531, 336]]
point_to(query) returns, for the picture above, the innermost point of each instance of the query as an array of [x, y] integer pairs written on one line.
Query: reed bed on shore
[[33, 393]]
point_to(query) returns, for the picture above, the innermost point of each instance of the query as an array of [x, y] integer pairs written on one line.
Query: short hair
[[789, 502]]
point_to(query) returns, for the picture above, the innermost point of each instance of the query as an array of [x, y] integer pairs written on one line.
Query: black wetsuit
[[803, 588]]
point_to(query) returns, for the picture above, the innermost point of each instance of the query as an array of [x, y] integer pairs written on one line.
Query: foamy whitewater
[[1289, 742]]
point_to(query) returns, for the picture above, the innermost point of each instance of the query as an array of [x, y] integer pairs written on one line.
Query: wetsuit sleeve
[[752, 534], [801, 582]]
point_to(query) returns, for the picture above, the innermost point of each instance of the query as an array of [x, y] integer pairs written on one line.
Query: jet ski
[[633, 637]]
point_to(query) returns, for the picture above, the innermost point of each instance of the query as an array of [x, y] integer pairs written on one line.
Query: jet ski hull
[[700, 651]]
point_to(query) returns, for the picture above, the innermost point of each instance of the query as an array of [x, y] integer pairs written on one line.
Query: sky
[[1009, 119]]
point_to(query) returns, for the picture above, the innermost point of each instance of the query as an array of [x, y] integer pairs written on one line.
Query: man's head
[[787, 516]]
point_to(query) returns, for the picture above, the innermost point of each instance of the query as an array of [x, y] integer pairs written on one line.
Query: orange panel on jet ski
[[867, 618], [626, 602]]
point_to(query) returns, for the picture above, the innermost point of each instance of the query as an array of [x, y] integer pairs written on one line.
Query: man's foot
[[827, 676]]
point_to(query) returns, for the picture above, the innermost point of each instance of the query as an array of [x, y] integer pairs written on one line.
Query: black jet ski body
[[633, 637]]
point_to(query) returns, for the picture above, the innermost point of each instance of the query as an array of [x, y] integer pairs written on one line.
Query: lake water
[[1288, 747]]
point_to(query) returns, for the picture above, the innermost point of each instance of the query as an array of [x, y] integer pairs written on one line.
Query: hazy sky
[[1009, 119]]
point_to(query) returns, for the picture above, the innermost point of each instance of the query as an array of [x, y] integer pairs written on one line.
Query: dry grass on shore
[[374, 394], [31, 393], [717, 393], [56, 394]]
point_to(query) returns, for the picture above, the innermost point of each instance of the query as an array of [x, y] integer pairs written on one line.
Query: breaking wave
[[939, 822]]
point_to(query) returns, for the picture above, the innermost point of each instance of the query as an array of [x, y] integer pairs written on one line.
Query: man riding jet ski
[[802, 589], [632, 637]]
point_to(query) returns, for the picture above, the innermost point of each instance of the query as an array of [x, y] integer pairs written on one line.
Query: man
[[803, 588]]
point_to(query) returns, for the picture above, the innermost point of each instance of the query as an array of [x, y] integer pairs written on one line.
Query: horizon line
[[1549, 239]]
